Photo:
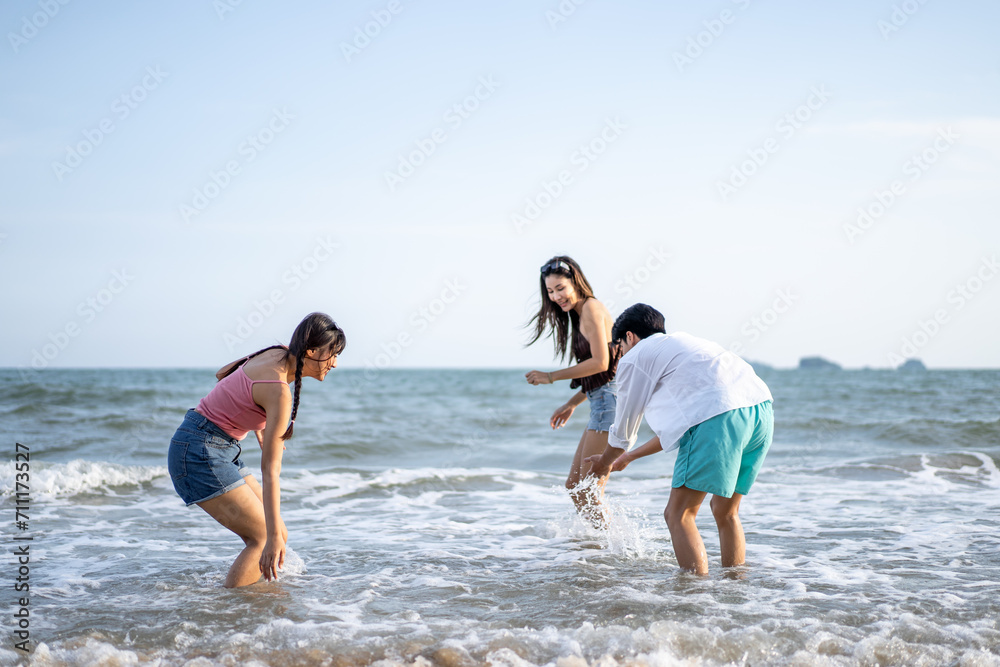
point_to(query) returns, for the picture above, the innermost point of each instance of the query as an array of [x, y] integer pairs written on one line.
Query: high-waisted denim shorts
[[602, 407], [204, 462]]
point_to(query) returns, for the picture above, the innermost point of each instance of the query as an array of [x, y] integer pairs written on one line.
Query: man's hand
[[621, 462], [597, 466], [602, 465]]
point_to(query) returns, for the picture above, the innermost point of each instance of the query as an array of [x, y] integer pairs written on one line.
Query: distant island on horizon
[[818, 363], [810, 363]]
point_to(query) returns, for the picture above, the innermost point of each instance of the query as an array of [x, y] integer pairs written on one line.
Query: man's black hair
[[640, 319]]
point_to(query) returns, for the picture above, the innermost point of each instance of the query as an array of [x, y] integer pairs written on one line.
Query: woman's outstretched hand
[[562, 415], [272, 558], [537, 377]]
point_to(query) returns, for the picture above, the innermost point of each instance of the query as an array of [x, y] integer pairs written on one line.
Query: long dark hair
[[560, 323], [317, 331]]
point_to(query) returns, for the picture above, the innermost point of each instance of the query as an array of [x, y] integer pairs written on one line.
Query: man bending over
[[708, 404]]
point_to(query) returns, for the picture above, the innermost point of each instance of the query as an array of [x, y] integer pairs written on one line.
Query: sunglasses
[[556, 265]]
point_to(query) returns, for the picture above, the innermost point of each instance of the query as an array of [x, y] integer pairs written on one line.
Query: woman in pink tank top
[[252, 394]]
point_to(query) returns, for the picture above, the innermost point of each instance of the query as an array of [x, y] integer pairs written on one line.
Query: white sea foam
[[78, 476], [907, 640], [858, 553]]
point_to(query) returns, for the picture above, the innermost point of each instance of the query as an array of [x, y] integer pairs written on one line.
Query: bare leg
[[681, 511], [242, 512], [589, 500], [255, 485], [731, 539], [573, 479]]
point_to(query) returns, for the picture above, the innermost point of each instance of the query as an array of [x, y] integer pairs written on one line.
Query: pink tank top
[[231, 407]]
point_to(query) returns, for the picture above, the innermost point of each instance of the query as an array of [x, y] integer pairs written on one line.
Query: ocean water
[[428, 526]]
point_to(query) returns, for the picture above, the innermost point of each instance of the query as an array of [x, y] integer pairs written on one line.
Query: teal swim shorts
[[723, 455]]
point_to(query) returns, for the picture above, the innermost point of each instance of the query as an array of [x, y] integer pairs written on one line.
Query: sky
[[183, 182]]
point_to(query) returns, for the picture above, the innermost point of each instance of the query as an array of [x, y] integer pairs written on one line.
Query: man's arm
[[601, 465], [615, 459], [634, 389], [651, 447]]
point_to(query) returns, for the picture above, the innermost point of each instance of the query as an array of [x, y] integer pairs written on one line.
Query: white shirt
[[679, 381]]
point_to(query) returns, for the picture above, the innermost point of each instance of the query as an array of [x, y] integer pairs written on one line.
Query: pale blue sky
[[278, 72]]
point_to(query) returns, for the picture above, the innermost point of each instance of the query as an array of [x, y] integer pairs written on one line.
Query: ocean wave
[[347, 482], [411, 643], [916, 430], [407, 476], [78, 476], [939, 472], [54, 392]]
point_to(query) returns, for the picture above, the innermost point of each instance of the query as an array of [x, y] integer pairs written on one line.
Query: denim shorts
[[723, 455], [602, 407], [204, 462]]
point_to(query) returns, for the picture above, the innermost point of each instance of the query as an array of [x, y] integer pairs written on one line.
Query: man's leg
[[682, 509], [731, 540]]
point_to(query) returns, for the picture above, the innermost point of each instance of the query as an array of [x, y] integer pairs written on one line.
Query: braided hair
[[317, 331]]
